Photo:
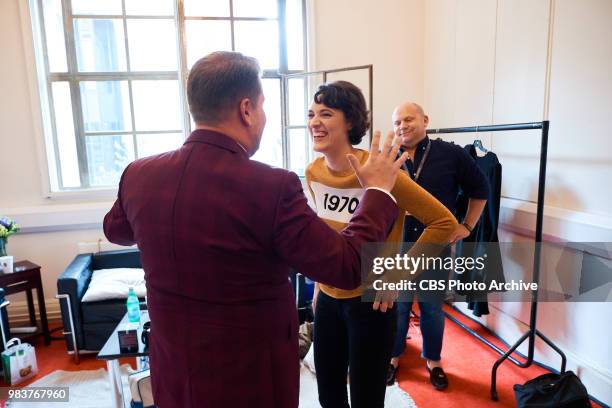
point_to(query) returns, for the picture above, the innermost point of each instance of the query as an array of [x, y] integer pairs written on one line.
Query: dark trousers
[[350, 336]]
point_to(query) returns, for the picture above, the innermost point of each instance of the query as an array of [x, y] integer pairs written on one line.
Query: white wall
[[486, 62], [21, 182], [387, 34], [581, 107], [520, 76]]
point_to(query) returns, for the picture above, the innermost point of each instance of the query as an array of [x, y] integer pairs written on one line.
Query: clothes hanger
[[479, 146]]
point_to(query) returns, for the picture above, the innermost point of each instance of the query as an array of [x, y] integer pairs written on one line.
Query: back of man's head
[[218, 82]]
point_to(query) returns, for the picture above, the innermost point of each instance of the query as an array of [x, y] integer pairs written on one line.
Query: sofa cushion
[[114, 283]]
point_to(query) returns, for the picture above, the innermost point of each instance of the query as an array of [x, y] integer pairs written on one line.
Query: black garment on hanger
[[485, 231]]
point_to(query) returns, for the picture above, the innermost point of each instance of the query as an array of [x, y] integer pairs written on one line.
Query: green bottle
[[133, 307]]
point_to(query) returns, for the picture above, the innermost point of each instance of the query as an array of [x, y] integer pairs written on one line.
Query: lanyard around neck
[[417, 174]]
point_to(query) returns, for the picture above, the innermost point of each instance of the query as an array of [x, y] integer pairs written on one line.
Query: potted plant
[[8, 227]]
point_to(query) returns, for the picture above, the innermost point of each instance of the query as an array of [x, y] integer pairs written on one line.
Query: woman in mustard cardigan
[[350, 336]]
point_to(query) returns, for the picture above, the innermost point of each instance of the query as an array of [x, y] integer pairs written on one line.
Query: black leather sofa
[[89, 324]]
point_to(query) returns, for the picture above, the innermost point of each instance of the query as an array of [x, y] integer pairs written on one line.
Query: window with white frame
[[112, 75]]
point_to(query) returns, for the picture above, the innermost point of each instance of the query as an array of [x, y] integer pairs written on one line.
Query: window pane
[[297, 102], [271, 146], [100, 45], [148, 145], [152, 45], [149, 7], [107, 157], [106, 106], [359, 78], [107, 7], [312, 85], [299, 150], [54, 33], [260, 8], [204, 37], [191, 124], [157, 105], [66, 142], [207, 8], [295, 35], [258, 39]]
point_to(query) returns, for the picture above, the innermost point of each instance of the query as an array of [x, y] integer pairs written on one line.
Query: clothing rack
[[533, 331]]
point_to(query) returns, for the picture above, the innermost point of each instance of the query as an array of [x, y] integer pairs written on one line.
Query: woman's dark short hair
[[348, 98], [218, 82]]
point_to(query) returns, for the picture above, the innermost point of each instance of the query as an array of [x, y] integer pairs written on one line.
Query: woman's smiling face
[[328, 128]]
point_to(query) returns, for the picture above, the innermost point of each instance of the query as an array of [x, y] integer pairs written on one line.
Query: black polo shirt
[[447, 169]]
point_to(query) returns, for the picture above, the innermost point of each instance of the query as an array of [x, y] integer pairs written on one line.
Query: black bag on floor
[[552, 391]]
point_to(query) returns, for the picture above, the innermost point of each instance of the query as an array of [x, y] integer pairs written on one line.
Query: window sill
[[59, 217], [90, 194]]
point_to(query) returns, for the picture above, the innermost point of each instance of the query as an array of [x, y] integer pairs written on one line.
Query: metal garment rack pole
[[324, 73], [531, 334]]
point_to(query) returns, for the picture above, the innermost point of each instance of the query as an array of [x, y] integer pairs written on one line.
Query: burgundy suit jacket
[[217, 234]]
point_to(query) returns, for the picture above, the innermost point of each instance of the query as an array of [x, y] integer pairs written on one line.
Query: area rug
[[87, 389], [395, 397], [91, 389]]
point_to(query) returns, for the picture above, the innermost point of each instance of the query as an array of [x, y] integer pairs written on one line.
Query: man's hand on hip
[[461, 232], [380, 170]]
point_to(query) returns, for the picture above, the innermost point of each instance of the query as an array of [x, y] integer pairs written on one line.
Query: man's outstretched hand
[[380, 170]]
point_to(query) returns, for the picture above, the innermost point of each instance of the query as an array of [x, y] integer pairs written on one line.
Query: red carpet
[[54, 357], [467, 363]]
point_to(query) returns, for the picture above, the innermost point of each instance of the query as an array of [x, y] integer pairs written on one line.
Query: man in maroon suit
[[217, 234]]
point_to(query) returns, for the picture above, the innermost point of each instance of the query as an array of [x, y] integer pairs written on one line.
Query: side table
[[25, 278]]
